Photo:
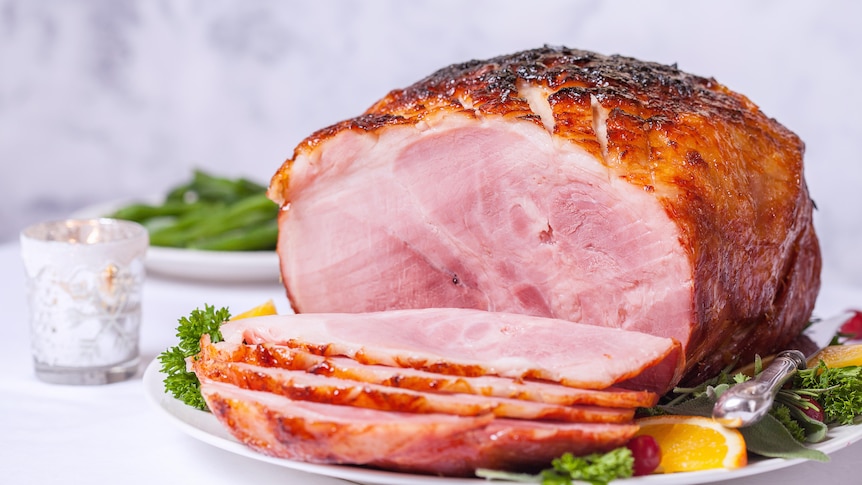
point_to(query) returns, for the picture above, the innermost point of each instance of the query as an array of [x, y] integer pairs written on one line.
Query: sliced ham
[[302, 386], [283, 357], [566, 184], [271, 381], [466, 342], [421, 443]]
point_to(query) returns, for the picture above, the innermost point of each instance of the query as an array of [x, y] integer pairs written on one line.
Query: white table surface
[[112, 434]]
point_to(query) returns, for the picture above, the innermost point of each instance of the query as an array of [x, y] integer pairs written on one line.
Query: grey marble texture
[[102, 99]]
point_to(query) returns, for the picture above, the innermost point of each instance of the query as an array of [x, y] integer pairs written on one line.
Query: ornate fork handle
[[748, 402]]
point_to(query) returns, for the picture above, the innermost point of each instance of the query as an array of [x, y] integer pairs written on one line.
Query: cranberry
[[646, 453], [815, 413], [853, 327]]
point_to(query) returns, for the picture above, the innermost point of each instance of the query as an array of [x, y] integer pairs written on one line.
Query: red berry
[[853, 327], [646, 453], [816, 412]]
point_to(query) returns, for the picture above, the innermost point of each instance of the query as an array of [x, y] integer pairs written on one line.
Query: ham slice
[[566, 184], [302, 386], [421, 443], [283, 357], [466, 342]]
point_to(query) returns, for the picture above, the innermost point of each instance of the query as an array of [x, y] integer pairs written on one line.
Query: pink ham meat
[[283, 357], [439, 444], [566, 184], [466, 342]]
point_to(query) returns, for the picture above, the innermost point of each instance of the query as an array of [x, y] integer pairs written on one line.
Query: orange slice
[[266, 308], [691, 443], [838, 356]]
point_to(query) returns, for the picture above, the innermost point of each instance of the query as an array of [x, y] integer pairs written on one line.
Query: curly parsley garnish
[[838, 389], [595, 468], [179, 381]]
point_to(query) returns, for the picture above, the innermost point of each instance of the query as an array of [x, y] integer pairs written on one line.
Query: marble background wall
[[107, 99]]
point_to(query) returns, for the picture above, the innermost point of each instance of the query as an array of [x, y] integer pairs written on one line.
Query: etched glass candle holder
[[84, 286]]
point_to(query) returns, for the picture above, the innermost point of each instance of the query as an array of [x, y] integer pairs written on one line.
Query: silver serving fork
[[748, 402]]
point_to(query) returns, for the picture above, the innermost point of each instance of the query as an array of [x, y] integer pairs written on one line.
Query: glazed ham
[[564, 184], [501, 262]]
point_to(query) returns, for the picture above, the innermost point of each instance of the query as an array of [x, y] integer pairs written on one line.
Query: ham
[[464, 342], [564, 184], [499, 263], [436, 443]]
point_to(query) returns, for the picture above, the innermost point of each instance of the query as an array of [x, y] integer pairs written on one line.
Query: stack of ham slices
[[437, 391]]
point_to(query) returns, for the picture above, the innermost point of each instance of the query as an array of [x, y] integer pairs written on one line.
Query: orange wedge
[[838, 356], [691, 443], [266, 308]]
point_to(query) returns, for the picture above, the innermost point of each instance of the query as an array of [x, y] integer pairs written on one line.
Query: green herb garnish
[[596, 468], [783, 415], [839, 391], [181, 383]]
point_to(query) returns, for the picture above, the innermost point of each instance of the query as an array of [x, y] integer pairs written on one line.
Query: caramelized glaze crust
[[727, 174]]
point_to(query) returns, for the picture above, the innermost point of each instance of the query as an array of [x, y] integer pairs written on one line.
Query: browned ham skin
[[561, 183]]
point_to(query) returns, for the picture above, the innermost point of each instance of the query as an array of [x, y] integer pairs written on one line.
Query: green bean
[[210, 212], [142, 212], [255, 238], [206, 187], [251, 210]]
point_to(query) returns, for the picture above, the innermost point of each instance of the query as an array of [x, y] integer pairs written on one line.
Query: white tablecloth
[[112, 434]]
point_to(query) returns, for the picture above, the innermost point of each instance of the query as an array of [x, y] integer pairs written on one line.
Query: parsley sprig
[[839, 391], [595, 468], [179, 381]]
